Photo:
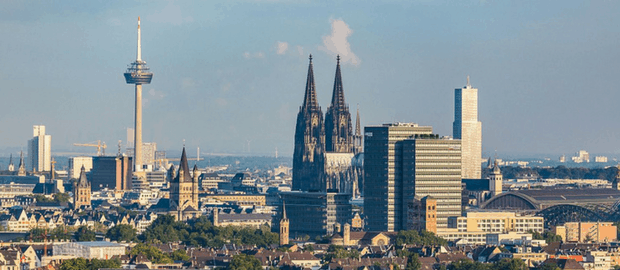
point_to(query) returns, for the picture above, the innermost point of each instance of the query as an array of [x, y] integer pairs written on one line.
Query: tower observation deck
[[138, 74]]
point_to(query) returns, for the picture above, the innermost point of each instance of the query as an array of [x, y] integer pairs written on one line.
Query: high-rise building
[[40, 150], [432, 167], [111, 173], [383, 187], [468, 129], [76, 163]]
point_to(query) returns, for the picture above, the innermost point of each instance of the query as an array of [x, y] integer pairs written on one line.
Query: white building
[[89, 250], [601, 159], [467, 128], [76, 163], [40, 150]]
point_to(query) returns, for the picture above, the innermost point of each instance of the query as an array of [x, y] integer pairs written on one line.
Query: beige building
[[497, 222], [76, 163], [583, 232], [239, 199], [101, 250], [467, 128], [39, 150]]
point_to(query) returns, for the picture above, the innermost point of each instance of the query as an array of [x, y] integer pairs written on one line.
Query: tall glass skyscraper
[[468, 129]]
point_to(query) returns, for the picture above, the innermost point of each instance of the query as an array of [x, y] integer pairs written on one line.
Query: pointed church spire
[[184, 168], [11, 166], [283, 210], [358, 126], [310, 101], [338, 95]]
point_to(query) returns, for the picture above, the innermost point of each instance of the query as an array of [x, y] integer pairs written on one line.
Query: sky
[[229, 76]]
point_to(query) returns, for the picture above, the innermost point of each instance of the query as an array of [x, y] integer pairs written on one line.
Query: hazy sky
[[226, 72]]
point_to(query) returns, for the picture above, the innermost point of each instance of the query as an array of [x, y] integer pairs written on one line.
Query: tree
[[244, 262], [84, 264], [180, 255], [61, 197], [413, 263], [464, 264], [36, 234], [510, 264], [122, 232], [154, 254], [85, 234], [549, 266]]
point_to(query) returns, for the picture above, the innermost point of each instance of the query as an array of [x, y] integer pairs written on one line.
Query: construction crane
[[100, 147]]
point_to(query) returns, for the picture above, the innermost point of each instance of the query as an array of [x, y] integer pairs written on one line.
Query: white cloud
[[281, 47], [337, 43], [249, 55]]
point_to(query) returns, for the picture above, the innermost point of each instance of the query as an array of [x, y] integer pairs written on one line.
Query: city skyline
[[544, 70]]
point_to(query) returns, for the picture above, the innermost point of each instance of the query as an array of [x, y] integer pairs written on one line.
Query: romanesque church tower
[[81, 191], [309, 141], [184, 190]]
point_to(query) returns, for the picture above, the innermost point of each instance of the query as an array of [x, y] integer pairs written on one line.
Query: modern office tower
[[383, 179], [138, 74], [432, 167], [309, 141], [468, 129], [76, 164], [316, 213], [40, 150], [112, 173]]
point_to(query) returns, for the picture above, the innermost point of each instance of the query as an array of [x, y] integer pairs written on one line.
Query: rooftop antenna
[[276, 152], [197, 155], [468, 85]]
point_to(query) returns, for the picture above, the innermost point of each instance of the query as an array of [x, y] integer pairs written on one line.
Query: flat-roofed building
[[316, 213], [239, 199], [101, 250], [583, 232], [384, 204], [496, 222]]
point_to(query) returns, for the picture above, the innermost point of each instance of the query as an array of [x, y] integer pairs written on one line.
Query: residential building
[[496, 222], [468, 129], [384, 204], [585, 232], [40, 150]]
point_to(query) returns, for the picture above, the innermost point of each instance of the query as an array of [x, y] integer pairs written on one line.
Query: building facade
[[315, 213], [432, 167], [40, 150], [76, 164], [468, 129], [112, 173], [81, 191], [383, 191]]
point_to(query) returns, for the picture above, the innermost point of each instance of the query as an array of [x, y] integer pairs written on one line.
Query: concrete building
[[496, 222], [384, 204], [101, 250], [468, 129], [316, 213], [432, 167], [40, 150], [76, 164], [111, 173], [583, 232]]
